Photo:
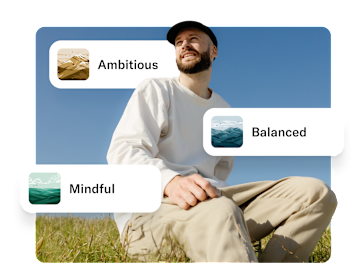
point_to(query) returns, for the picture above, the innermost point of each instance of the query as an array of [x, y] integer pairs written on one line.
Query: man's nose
[[186, 44]]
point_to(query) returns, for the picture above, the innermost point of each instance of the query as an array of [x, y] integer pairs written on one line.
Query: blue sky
[[257, 67]]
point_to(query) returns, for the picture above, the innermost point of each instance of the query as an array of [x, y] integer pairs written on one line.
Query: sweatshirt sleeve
[[137, 135], [223, 168]]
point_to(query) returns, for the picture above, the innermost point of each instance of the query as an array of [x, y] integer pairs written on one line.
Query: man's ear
[[214, 52]]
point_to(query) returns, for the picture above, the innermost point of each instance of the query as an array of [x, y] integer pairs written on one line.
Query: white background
[[143, 51], [128, 197], [321, 138]]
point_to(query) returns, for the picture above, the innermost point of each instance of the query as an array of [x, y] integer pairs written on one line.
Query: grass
[[76, 239]]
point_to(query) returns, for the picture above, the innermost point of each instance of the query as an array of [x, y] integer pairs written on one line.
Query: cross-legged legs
[[299, 208]]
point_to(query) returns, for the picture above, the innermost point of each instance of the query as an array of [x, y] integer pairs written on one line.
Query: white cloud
[[37, 181]]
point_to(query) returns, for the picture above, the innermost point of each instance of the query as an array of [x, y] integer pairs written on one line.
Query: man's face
[[194, 51]]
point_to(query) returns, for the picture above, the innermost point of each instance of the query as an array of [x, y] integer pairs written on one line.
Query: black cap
[[171, 35]]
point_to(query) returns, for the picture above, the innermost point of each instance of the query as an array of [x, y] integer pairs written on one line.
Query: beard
[[195, 66]]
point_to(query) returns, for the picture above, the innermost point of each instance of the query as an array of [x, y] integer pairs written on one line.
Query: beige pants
[[222, 229]]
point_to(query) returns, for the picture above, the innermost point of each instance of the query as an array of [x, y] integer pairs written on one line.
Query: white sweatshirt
[[162, 125]]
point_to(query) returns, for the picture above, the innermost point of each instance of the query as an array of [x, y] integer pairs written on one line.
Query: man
[[213, 222]]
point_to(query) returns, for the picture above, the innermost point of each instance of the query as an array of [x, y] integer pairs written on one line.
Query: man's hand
[[186, 191]]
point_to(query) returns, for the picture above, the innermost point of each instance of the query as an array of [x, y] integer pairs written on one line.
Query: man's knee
[[314, 190], [222, 208]]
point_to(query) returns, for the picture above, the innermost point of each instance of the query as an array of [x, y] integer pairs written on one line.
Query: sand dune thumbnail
[[75, 68]]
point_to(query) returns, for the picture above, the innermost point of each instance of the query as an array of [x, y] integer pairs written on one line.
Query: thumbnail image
[[227, 131], [44, 188], [73, 64]]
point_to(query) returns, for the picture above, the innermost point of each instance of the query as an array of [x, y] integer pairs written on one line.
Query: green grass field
[[76, 239]]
